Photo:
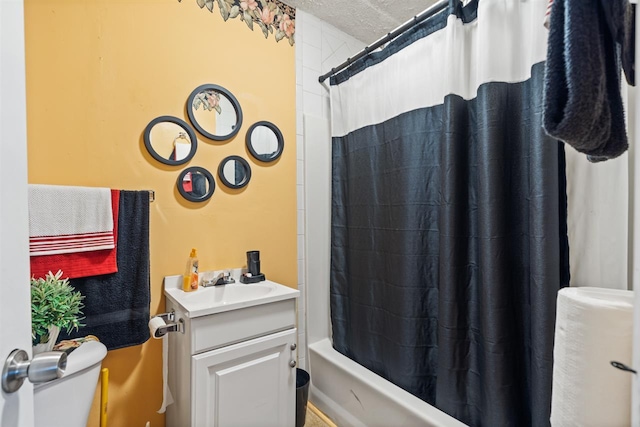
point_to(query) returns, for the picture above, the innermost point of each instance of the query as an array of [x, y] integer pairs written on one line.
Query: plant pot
[[47, 346]]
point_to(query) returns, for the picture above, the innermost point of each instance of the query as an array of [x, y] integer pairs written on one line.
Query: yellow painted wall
[[97, 72]]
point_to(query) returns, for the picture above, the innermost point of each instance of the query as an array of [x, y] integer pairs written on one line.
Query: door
[[247, 384], [634, 203], [16, 409]]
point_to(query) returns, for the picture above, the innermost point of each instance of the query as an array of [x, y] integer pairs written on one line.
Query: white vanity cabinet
[[235, 363], [246, 384]]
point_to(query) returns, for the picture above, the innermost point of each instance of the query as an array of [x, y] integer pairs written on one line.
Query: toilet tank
[[67, 400]]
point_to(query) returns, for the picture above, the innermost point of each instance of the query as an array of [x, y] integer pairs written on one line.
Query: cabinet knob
[[293, 346], [292, 363]]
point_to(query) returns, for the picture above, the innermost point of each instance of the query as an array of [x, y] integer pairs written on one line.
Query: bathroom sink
[[216, 299], [228, 294]]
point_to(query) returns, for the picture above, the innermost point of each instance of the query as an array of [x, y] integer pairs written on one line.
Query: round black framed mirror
[[170, 140], [265, 141], [214, 112], [234, 172], [196, 184]]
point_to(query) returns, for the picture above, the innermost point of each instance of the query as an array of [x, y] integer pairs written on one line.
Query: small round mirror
[[234, 172], [170, 140], [265, 141], [214, 112], [196, 184]]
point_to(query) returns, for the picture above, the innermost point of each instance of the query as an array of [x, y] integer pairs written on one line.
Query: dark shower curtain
[[449, 239]]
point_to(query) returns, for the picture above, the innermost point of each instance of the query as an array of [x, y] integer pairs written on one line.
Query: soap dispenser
[[190, 279]]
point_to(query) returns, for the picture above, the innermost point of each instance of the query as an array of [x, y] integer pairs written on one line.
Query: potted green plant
[[55, 305]]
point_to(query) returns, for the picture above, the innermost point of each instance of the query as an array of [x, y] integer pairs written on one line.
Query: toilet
[[67, 400]]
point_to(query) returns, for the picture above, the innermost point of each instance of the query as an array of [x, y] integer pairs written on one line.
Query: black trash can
[[302, 395]]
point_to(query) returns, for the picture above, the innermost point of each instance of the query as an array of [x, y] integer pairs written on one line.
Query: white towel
[[547, 15], [66, 219]]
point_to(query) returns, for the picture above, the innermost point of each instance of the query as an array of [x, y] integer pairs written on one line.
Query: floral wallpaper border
[[272, 16]]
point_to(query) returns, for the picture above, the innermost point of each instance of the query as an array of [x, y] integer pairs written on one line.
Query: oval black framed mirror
[[214, 112], [234, 172], [265, 141], [170, 140], [196, 184]]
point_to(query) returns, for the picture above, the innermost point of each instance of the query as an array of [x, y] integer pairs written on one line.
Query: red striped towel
[[82, 264], [69, 219], [547, 14], [73, 243]]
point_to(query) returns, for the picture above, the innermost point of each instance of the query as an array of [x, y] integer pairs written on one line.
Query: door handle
[[44, 367]]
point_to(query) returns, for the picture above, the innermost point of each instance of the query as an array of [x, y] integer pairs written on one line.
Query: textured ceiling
[[366, 20]]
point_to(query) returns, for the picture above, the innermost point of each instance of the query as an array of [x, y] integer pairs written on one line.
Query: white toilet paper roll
[[593, 327], [167, 398], [154, 324]]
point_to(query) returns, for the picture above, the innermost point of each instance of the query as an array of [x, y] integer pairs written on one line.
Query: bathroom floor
[[313, 420]]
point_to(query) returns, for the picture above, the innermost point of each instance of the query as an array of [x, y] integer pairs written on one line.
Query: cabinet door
[[248, 384]]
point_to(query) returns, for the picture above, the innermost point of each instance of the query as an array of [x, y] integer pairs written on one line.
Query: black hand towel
[[199, 184], [117, 305], [582, 101]]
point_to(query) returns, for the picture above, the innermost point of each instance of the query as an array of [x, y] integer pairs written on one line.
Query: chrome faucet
[[223, 278]]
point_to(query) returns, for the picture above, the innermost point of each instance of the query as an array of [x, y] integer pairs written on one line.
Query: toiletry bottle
[[190, 282]]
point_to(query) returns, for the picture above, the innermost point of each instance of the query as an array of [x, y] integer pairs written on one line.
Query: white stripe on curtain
[[455, 60]]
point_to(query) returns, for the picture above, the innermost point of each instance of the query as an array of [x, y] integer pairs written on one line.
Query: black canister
[[253, 262]]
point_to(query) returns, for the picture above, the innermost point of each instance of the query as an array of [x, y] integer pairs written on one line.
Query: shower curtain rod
[[437, 7]]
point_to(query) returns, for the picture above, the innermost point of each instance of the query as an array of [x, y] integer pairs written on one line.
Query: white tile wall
[[319, 47]]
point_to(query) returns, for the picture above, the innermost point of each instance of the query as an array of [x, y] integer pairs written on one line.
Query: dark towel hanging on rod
[[588, 44], [437, 7], [117, 305]]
